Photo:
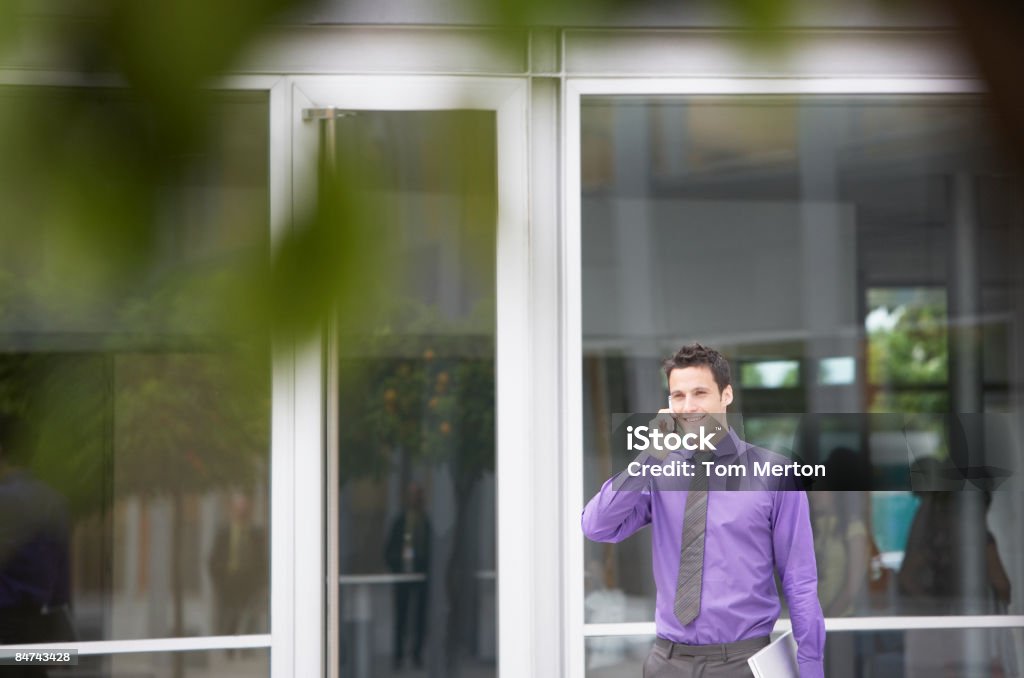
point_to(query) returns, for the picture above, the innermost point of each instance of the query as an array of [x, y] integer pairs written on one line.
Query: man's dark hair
[[696, 355]]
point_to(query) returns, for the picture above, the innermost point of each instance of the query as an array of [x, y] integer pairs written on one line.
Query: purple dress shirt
[[747, 533]]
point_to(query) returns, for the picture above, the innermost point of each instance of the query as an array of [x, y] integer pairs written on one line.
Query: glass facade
[[853, 258]]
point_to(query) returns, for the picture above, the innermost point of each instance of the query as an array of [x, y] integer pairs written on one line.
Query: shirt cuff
[[812, 669]]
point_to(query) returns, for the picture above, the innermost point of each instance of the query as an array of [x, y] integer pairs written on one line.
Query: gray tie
[[691, 554]]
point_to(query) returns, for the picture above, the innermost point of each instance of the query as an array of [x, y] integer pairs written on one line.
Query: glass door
[[412, 370]]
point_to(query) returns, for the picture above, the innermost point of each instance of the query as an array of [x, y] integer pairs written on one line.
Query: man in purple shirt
[[717, 599]]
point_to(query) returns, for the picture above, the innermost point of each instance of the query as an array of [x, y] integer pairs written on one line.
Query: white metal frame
[[575, 630]]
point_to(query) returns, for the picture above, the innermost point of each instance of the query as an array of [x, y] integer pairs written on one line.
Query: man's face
[[695, 399]]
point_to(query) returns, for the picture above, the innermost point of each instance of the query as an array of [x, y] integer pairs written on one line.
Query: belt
[[723, 649]]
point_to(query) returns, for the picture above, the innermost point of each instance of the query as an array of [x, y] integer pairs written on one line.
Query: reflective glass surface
[[850, 255], [416, 400], [134, 437]]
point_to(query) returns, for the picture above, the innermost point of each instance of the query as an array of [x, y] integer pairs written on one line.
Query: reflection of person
[[408, 552], [841, 550], [843, 553], [841, 540], [238, 567], [34, 559], [940, 575], [931, 576], [713, 552]]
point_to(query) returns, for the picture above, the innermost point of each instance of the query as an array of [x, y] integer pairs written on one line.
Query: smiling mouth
[[692, 418]]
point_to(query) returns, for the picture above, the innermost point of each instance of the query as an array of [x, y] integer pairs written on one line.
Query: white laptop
[[778, 660]]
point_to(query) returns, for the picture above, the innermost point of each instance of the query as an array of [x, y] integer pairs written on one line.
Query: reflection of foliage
[[63, 404], [177, 422], [191, 417], [437, 406], [419, 382], [908, 355], [184, 424], [913, 351]]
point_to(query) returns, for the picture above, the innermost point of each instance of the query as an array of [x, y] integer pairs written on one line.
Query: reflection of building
[[836, 219]]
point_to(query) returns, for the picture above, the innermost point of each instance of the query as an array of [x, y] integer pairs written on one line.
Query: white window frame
[[576, 89]]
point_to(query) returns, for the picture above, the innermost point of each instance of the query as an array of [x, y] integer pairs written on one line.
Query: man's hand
[[665, 422]]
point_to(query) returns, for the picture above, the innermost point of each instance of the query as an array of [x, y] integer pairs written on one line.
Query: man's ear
[[727, 395]]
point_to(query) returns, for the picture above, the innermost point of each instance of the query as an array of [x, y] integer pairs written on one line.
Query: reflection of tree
[[908, 349], [183, 422], [431, 397], [186, 423], [64, 401], [913, 349]]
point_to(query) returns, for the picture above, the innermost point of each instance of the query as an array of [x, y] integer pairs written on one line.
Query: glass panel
[[957, 653], [770, 374], [416, 407], [859, 246], [838, 371], [142, 431]]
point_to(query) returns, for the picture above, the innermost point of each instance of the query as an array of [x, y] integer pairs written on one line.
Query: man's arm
[[621, 508], [793, 546]]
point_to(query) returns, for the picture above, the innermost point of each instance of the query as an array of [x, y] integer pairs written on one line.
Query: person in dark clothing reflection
[[238, 569], [35, 581], [408, 554], [951, 566], [936, 569]]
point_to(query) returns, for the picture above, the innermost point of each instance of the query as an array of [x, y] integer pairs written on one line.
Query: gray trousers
[[674, 660]]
